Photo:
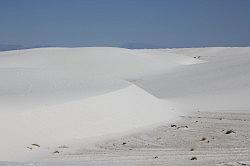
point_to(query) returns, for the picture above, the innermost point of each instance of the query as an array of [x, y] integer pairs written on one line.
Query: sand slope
[[63, 103], [222, 83], [47, 76], [55, 95], [168, 145]]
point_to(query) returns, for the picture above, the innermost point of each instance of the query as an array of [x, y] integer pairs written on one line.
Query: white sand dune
[[56, 96], [222, 83], [114, 112], [51, 95], [47, 76]]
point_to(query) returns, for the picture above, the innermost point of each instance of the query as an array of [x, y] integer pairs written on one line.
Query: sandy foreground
[[200, 138]]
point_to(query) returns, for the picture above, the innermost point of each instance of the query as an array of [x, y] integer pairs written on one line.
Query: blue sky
[[168, 23]]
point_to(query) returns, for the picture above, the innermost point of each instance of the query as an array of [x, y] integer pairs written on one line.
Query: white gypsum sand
[[59, 102]]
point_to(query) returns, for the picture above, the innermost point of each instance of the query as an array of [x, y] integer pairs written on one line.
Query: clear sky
[[169, 23]]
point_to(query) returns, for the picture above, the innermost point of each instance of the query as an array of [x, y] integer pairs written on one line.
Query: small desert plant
[[193, 158], [229, 131], [203, 139], [56, 152], [35, 145]]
